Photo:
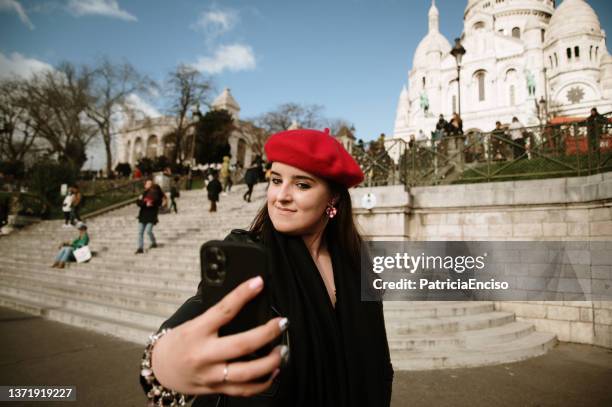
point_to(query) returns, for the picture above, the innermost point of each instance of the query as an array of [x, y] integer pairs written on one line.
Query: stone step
[[405, 326], [503, 333], [121, 263], [132, 278], [133, 301], [177, 296], [130, 332], [141, 263], [415, 309], [89, 307], [532, 345], [143, 269]]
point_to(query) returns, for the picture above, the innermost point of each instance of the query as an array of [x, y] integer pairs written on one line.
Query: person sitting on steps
[[66, 253]]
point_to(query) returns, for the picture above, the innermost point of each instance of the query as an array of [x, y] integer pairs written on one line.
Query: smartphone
[[226, 265]]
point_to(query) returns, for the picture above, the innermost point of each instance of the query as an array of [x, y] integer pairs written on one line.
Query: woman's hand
[[192, 358]]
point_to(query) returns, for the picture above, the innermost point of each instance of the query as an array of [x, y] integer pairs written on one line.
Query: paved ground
[[34, 351]]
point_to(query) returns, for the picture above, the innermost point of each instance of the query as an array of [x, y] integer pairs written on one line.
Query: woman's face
[[297, 200]]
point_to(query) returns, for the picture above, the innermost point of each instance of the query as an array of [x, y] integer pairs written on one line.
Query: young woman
[[75, 203], [149, 203], [338, 353]]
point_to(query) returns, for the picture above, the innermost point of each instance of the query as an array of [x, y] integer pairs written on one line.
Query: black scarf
[[339, 357]]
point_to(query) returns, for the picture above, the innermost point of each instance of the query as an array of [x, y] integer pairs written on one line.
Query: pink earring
[[331, 211]]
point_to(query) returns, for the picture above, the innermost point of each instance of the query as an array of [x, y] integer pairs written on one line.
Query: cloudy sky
[[351, 56]]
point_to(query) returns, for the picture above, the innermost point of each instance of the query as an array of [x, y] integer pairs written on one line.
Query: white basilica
[[520, 54], [152, 137]]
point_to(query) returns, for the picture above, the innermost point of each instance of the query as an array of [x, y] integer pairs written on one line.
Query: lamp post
[[196, 115], [458, 52], [543, 113]]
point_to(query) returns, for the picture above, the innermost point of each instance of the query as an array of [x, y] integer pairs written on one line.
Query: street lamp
[[196, 115], [542, 108], [458, 52]]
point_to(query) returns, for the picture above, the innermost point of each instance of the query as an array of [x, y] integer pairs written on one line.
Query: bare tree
[[111, 85], [17, 136], [55, 102], [187, 89], [306, 116], [336, 125]]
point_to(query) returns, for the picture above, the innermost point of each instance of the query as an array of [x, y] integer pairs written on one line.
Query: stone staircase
[[449, 334], [117, 292], [129, 296]]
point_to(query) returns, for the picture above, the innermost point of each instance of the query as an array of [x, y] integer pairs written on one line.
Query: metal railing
[[111, 197], [547, 151]]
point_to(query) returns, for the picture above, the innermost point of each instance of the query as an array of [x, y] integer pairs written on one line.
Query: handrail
[[551, 150]]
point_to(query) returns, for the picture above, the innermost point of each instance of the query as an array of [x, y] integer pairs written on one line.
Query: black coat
[[214, 188], [149, 203], [370, 367], [251, 176]]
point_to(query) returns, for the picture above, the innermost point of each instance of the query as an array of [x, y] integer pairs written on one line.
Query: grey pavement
[[34, 351]]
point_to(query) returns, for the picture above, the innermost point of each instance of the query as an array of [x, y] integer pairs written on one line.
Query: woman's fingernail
[[274, 374], [284, 354], [256, 282], [283, 324]]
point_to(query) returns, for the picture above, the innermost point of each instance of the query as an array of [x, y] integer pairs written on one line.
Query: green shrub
[[46, 177]]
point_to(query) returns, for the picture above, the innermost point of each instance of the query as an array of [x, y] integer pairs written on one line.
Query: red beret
[[315, 152]]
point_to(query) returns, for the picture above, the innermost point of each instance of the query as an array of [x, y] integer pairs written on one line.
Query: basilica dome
[[434, 41], [573, 17]]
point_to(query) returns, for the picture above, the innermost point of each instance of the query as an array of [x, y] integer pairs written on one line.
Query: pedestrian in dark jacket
[[149, 202], [333, 349], [595, 124], [250, 178], [174, 193], [75, 205], [214, 188]]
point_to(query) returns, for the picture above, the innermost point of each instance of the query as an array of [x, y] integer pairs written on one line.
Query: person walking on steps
[[67, 209], [214, 188], [226, 174], [149, 202], [251, 178], [75, 205], [174, 194]]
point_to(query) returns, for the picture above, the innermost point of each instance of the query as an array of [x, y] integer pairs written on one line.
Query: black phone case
[[226, 265]]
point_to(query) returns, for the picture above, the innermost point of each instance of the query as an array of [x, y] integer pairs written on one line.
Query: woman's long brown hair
[[340, 229]]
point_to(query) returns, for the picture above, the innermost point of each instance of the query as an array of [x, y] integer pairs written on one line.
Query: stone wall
[[564, 209]]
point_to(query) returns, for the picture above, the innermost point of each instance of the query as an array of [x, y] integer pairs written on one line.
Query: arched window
[[551, 62], [596, 53], [577, 52], [424, 81], [241, 152], [137, 152], [168, 143], [480, 77], [556, 60], [479, 26], [126, 155], [512, 95], [543, 34], [569, 53], [151, 146], [454, 106], [516, 32], [591, 53]]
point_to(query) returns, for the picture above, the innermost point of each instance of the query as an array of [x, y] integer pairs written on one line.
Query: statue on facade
[[424, 102], [531, 84]]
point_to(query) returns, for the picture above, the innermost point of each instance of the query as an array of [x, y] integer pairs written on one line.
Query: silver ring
[[225, 372]]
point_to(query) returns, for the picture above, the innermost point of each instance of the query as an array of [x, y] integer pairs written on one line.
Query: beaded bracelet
[[157, 394]]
